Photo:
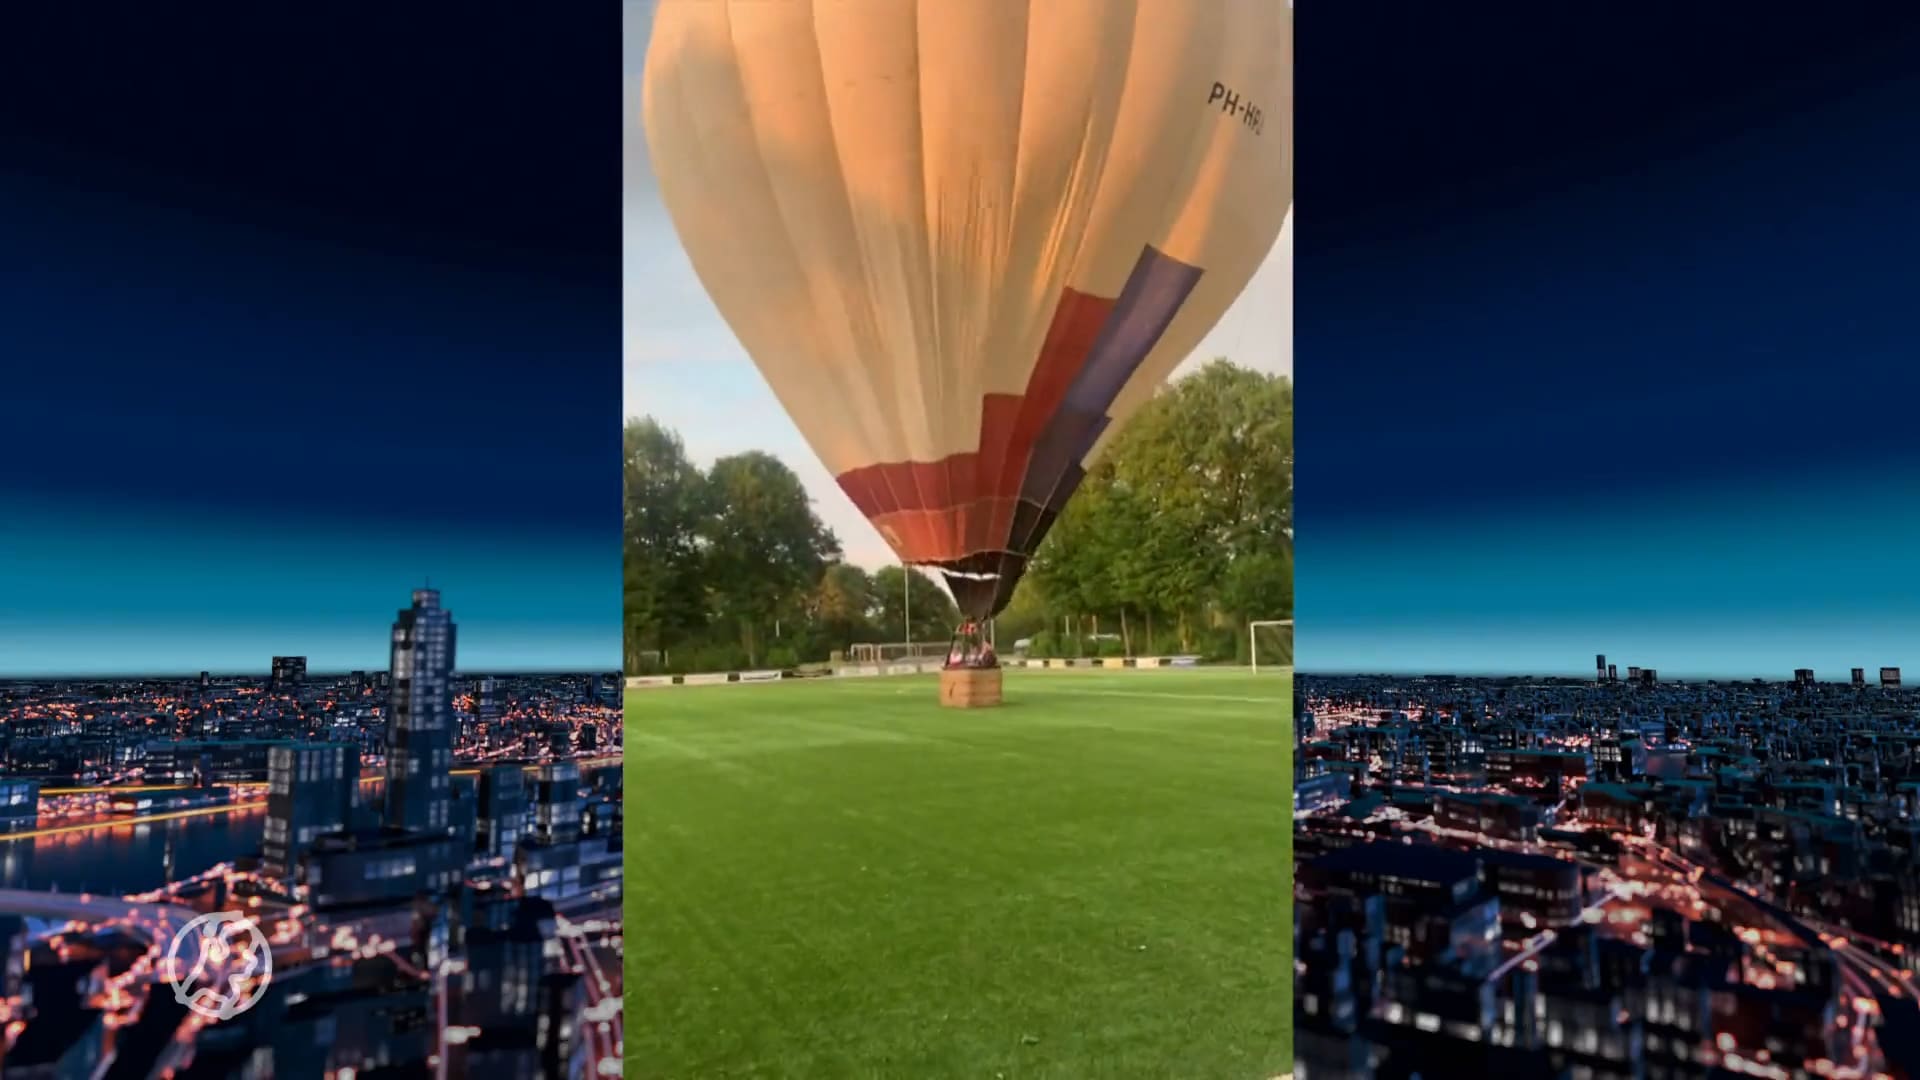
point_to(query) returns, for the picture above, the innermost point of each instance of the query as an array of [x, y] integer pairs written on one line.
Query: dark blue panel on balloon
[[1145, 308]]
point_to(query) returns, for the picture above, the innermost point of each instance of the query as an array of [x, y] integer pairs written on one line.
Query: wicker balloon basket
[[970, 688]]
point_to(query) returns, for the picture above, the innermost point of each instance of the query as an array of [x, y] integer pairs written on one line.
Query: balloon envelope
[[964, 239]]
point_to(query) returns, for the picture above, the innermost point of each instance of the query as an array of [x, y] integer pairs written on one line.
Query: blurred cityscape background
[[432, 856], [1615, 877]]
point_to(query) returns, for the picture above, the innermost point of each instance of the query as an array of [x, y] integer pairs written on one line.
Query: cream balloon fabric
[[964, 239]]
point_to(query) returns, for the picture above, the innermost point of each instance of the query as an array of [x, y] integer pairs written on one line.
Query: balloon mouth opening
[[982, 584]]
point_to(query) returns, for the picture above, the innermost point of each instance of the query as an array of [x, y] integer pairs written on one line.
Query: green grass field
[[842, 879]]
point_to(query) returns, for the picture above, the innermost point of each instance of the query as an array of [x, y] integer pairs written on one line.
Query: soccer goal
[[1270, 644], [874, 652]]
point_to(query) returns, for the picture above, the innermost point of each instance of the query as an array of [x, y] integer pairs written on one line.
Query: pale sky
[[684, 368]]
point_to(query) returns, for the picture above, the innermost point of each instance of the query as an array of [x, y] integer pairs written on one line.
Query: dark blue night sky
[[1604, 328], [296, 313]]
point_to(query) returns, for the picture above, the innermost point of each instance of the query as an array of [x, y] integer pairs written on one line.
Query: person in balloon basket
[[970, 649]]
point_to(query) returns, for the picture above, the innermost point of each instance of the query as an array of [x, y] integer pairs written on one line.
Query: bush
[[1045, 645], [703, 659], [1165, 642], [1221, 644], [783, 657]]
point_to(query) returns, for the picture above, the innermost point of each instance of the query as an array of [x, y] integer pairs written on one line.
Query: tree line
[[1181, 534]]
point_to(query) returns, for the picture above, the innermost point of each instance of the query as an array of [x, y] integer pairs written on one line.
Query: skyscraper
[[288, 672], [557, 803], [420, 717], [310, 791], [502, 810], [487, 704]]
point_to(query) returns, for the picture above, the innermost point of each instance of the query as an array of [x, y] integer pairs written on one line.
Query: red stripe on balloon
[[940, 511]]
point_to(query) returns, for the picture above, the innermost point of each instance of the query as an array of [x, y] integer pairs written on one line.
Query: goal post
[[878, 652], [1277, 634]]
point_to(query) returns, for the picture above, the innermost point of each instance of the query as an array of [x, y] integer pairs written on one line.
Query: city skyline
[[1607, 877], [272, 355], [1610, 363], [329, 806]]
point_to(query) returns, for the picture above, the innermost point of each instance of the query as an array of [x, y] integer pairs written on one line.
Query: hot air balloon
[[963, 240]]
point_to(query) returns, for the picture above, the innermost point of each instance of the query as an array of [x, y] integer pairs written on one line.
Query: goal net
[[869, 652], [1270, 645]]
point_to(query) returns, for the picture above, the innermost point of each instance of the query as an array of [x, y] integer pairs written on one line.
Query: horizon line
[[6, 677]]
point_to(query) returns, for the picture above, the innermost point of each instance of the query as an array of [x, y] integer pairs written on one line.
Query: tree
[[934, 613], [844, 604], [765, 545], [1259, 585], [1198, 483], [665, 511], [1026, 615], [1186, 521]]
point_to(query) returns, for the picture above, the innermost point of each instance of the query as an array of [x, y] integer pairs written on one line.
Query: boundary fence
[[900, 667]]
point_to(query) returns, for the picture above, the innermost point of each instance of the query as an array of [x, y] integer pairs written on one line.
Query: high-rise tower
[[420, 717], [311, 789]]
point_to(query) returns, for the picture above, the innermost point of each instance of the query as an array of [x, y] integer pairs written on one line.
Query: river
[[138, 857]]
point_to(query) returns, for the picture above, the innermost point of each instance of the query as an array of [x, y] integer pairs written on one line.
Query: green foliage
[[933, 612], [1180, 535], [714, 559], [667, 509], [1186, 521]]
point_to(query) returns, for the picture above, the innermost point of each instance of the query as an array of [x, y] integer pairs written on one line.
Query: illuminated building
[[1506, 767], [602, 813], [1435, 902], [1505, 817], [208, 761], [1439, 998], [506, 953], [1321, 790], [488, 707], [1620, 757], [503, 810], [312, 789], [368, 867], [366, 1017], [605, 689], [568, 870], [420, 717], [288, 672], [19, 804], [1551, 891], [557, 803]]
